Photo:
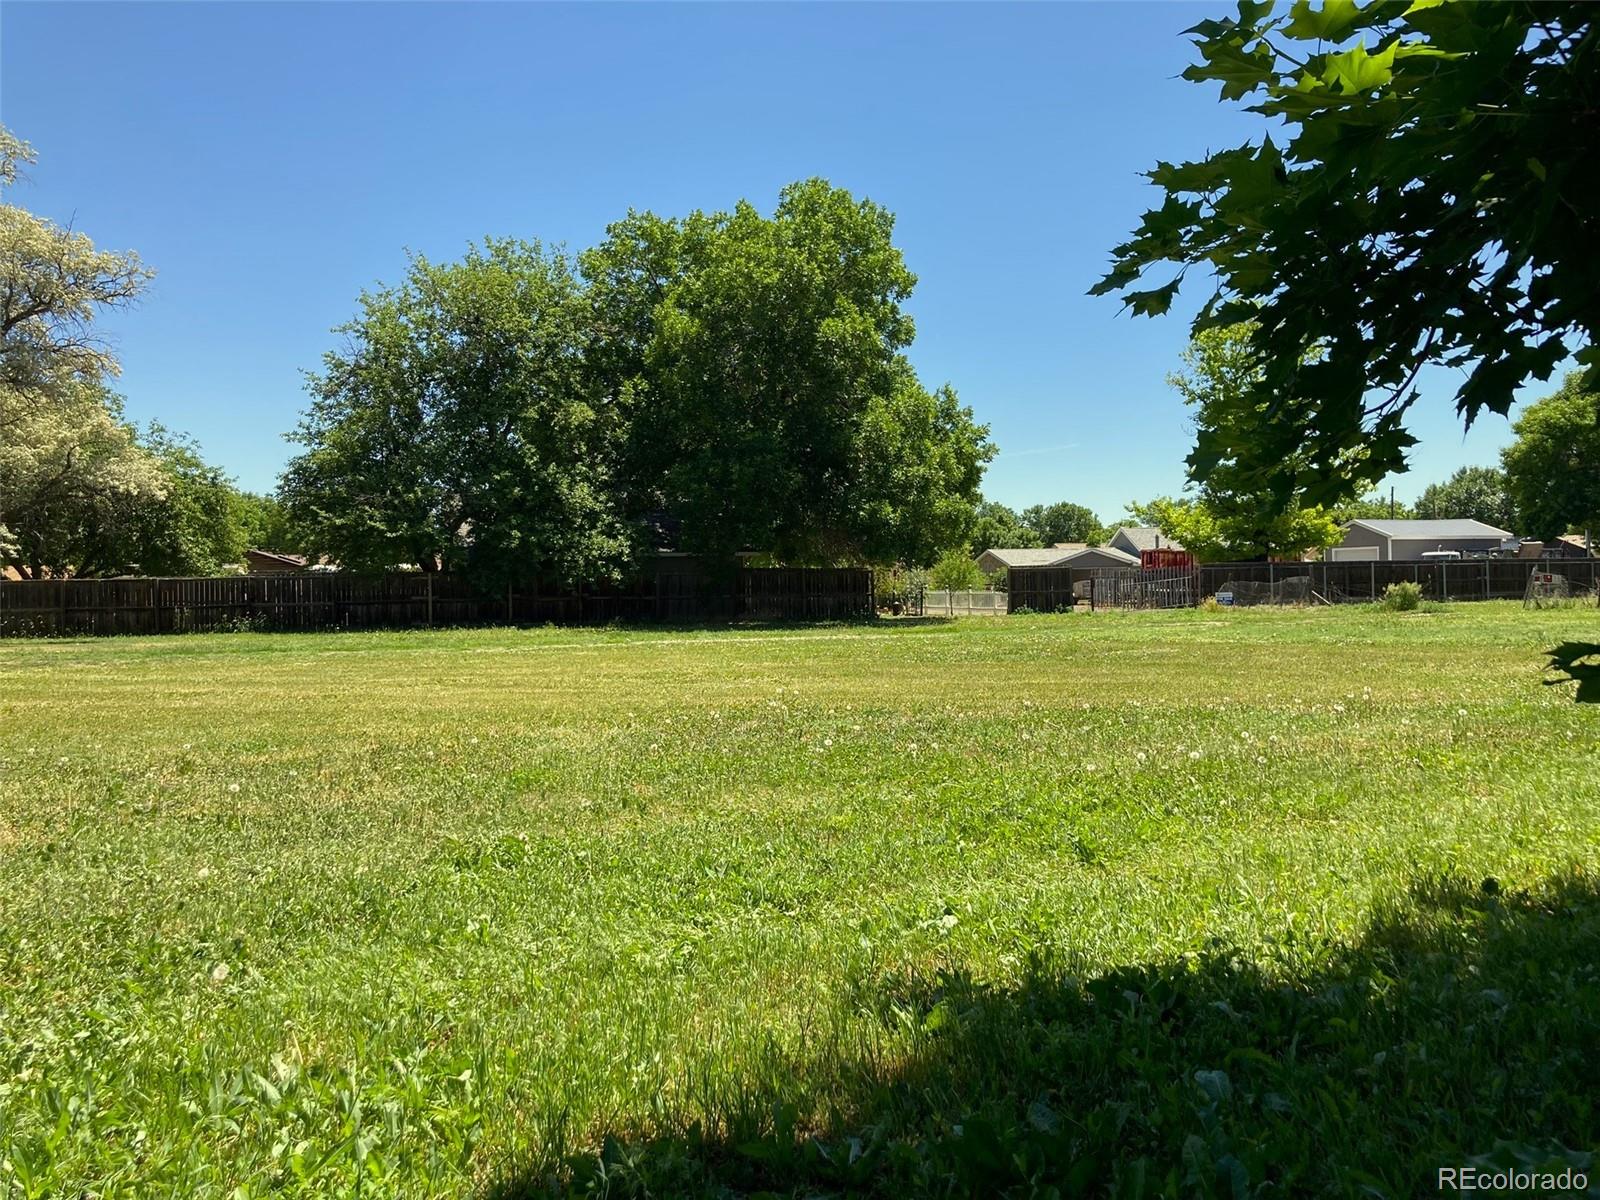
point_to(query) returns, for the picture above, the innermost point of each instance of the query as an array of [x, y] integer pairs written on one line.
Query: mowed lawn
[[1188, 903]]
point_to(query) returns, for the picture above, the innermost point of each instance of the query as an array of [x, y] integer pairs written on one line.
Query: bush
[[1402, 597], [955, 572], [897, 584]]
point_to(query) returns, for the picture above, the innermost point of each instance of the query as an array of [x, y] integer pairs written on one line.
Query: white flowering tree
[[66, 455]]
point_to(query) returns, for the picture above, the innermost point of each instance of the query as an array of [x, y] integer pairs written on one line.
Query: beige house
[[1068, 554]]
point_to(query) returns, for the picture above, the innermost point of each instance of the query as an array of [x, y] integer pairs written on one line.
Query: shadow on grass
[[1577, 662], [1463, 1028]]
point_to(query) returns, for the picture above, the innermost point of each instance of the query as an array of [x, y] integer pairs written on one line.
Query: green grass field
[[1175, 903]]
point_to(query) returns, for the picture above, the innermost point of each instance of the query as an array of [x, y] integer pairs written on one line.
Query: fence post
[[430, 599], [1444, 580]]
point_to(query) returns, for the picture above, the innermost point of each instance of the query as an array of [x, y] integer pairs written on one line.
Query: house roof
[[1147, 537], [1110, 552], [1056, 556], [1069, 546], [1432, 530], [288, 560], [1575, 540], [1026, 558]]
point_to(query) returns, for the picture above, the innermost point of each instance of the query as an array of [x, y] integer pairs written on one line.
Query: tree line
[[82, 490], [718, 383], [727, 382]]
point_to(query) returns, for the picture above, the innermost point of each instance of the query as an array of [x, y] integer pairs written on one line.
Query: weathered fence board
[[334, 600]]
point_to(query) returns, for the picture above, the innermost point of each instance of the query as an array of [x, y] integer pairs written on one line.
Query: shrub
[[1402, 597], [955, 572]]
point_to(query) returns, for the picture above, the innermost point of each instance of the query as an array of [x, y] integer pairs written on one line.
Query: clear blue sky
[[271, 160]]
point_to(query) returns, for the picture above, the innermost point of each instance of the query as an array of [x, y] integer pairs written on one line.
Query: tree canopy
[[1552, 469], [1430, 200], [1064, 522], [1232, 514], [1472, 493], [456, 429], [998, 526], [68, 461], [770, 404], [739, 377]]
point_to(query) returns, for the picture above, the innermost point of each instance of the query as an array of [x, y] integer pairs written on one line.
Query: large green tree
[[190, 527], [263, 522], [1553, 467], [1474, 493], [458, 428], [1426, 196], [1063, 522], [995, 526], [1213, 536], [66, 455], [759, 366], [1232, 511]]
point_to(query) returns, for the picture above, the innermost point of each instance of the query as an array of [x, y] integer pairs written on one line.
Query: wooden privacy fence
[[1057, 589], [1048, 589], [334, 600]]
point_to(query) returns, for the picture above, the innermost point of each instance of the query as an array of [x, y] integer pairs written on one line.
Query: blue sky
[[271, 160]]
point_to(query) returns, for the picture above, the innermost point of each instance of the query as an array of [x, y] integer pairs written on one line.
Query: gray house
[[1385, 541], [1131, 539]]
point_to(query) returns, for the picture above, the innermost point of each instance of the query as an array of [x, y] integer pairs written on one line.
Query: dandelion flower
[[219, 972]]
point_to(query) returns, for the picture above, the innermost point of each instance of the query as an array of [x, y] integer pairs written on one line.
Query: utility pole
[[1391, 502]]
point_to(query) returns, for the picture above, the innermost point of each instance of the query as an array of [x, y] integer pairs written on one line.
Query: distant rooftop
[[1425, 530], [1111, 552], [1147, 537], [1027, 558]]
